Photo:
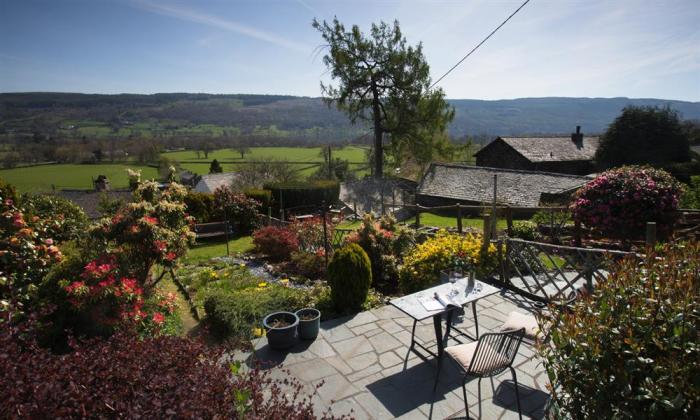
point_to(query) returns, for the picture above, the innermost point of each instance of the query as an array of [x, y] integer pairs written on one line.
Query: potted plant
[[281, 329], [309, 323]]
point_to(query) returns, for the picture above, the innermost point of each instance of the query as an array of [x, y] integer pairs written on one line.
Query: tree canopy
[[386, 82], [644, 135]]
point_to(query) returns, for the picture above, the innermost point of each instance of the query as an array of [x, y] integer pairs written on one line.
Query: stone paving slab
[[368, 372]]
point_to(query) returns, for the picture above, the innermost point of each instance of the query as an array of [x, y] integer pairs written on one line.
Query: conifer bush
[[350, 276], [632, 348]]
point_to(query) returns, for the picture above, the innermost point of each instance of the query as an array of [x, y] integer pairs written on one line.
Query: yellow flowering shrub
[[421, 268]]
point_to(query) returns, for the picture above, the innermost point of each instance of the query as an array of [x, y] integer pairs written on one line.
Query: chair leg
[[464, 394], [517, 394]]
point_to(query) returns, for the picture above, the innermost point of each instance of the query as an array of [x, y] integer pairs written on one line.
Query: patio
[[365, 365]]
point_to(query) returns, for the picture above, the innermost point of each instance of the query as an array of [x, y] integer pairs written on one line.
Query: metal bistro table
[[411, 305]]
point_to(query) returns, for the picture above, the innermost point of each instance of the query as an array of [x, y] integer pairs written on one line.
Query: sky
[[579, 48]]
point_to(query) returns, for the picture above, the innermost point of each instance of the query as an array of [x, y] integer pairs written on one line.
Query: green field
[[231, 159], [41, 178], [292, 154]]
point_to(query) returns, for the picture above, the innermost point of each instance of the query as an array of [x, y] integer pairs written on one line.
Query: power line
[[480, 43]]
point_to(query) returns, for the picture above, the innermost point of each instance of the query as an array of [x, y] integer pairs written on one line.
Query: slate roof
[[209, 183], [89, 200], [550, 149], [475, 184]]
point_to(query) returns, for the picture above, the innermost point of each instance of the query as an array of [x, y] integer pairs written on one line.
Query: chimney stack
[[577, 137]]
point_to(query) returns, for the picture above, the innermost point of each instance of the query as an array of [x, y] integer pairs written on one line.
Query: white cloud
[[190, 15]]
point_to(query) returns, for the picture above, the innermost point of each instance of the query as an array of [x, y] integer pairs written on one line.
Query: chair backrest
[[495, 352]]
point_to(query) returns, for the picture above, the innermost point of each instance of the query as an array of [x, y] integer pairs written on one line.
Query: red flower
[[129, 285], [170, 256], [73, 286], [158, 318], [150, 220]]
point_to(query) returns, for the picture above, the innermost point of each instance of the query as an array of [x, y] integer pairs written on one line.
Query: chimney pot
[[577, 137]]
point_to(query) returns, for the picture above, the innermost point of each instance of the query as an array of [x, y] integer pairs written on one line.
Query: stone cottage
[[549, 154]]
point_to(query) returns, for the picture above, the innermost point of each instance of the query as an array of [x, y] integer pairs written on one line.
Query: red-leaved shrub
[[127, 377], [276, 242]]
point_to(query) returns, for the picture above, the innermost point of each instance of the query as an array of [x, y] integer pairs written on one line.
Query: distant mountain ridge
[[23, 112]]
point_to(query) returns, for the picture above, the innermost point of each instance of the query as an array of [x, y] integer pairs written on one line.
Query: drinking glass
[[454, 276]]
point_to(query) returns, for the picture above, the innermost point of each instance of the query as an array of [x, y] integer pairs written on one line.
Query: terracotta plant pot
[[309, 323], [281, 329]]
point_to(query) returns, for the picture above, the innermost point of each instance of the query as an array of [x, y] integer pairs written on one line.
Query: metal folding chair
[[491, 355]]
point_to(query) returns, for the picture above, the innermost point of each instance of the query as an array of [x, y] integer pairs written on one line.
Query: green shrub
[[200, 206], [263, 196], [310, 264], [239, 210], [236, 313], [632, 349], [548, 218], [350, 276], [8, 191], [525, 229], [691, 197], [312, 193]]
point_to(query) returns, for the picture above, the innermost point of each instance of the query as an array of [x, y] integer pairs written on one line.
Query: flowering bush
[[153, 230], [63, 219], [385, 242], [239, 210], [26, 254], [632, 348], [309, 233], [620, 201], [134, 178], [106, 300], [310, 264], [129, 377], [277, 243], [421, 268]]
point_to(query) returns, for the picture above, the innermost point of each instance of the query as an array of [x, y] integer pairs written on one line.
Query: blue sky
[[606, 48]]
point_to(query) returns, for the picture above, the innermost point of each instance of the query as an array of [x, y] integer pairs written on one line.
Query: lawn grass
[[205, 251], [292, 154], [349, 224], [40, 178], [436, 220]]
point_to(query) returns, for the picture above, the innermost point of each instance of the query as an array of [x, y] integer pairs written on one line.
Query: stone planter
[[280, 337], [309, 327]]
